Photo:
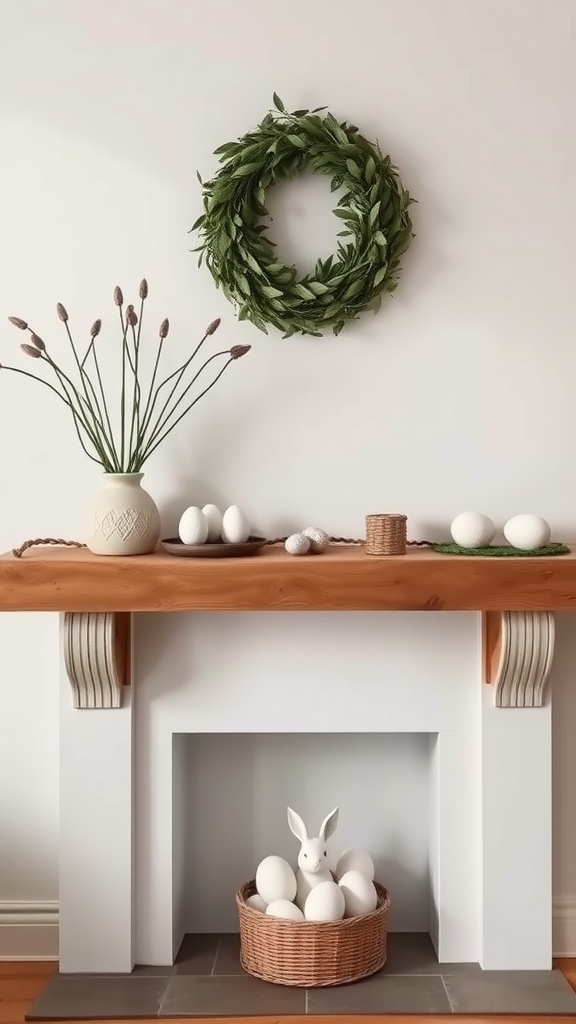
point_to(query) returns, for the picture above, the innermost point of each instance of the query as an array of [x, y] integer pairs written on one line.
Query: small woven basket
[[309, 955], [385, 535]]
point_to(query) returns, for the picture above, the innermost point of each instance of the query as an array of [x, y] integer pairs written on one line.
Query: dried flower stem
[[124, 326], [162, 422], [80, 421], [24, 373], [179, 373], [91, 410], [137, 394], [187, 410], [82, 411], [142, 428], [105, 407]]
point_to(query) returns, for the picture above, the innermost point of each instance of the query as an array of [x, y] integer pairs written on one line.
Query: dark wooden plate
[[174, 546]]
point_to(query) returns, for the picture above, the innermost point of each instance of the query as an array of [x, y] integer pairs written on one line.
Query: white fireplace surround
[[122, 861]]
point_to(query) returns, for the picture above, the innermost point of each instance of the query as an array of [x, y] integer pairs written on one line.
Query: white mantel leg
[[516, 893], [96, 857]]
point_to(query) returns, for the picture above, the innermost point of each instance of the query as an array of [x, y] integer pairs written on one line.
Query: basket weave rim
[[382, 905], [386, 515]]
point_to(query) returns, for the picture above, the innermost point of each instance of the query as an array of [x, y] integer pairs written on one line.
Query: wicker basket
[[385, 535], [311, 955]]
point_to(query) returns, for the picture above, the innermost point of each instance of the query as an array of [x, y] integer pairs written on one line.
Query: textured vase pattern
[[127, 524], [125, 520]]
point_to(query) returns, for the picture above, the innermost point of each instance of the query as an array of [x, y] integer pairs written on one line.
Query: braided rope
[[56, 541], [60, 542]]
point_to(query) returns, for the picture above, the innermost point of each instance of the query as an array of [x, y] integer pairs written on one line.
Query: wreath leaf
[[241, 257]]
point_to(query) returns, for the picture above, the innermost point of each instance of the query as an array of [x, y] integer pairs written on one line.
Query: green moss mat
[[505, 551]]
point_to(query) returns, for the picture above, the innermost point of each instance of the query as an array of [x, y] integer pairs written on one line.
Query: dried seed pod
[[212, 327], [118, 296], [237, 351], [18, 322], [143, 290], [131, 317], [31, 351], [95, 329], [37, 342], [61, 310], [164, 328]]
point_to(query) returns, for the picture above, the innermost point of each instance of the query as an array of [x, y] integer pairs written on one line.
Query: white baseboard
[[564, 926], [29, 930]]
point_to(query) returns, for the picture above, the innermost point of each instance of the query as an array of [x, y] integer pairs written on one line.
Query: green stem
[[77, 428], [181, 370], [14, 369], [123, 392], [24, 373], [88, 351], [92, 411], [142, 430], [96, 414], [148, 452], [162, 423], [105, 407], [135, 425], [95, 430], [77, 412]]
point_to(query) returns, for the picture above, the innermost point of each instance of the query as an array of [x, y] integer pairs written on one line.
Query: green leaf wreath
[[374, 210]]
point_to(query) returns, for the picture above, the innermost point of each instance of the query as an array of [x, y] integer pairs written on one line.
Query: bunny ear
[[328, 826], [297, 826]]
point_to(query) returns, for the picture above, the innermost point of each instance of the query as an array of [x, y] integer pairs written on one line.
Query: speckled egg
[[319, 539], [472, 530], [297, 544]]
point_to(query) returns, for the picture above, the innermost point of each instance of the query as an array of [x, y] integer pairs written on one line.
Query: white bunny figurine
[[312, 864]]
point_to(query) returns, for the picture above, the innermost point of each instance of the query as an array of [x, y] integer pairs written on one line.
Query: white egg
[[285, 909], [213, 517], [297, 544], [257, 903], [193, 528], [360, 896], [319, 539], [472, 530], [355, 859], [325, 902], [275, 879], [235, 526], [527, 532]]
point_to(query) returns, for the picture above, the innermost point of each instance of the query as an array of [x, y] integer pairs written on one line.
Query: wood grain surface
[[345, 578]]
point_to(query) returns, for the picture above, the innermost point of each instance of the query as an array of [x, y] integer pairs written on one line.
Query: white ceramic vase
[[124, 519]]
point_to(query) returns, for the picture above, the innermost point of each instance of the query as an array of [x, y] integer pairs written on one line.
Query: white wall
[[459, 394]]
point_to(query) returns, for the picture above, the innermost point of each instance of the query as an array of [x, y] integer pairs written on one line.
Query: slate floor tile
[[197, 954], [229, 996], [228, 956], [85, 997], [382, 994], [413, 953], [517, 992]]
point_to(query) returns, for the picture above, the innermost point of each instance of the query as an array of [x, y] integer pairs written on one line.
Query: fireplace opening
[[230, 797]]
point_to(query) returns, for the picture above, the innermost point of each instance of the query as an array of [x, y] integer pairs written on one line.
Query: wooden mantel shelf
[[343, 579]]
